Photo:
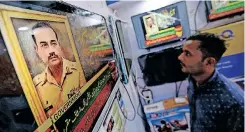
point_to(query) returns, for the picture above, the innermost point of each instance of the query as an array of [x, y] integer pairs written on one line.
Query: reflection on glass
[[15, 114], [92, 42], [9, 84]]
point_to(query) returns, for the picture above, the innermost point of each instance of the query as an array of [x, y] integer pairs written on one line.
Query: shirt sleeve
[[236, 118]]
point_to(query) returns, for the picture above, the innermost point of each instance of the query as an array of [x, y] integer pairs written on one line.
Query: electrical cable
[[195, 14], [131, 104], [140, 92], [195, 17], [142, 116], [206, 15], [177, 89], [135, 84]]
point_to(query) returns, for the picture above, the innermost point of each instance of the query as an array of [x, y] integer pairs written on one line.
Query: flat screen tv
[[219, 9], [161, 26]]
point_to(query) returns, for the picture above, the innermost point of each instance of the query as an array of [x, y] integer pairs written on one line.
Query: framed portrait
[[46, 59], [150, 24]]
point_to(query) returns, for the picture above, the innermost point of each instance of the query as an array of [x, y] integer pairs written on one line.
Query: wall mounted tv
[[220, 9], [161, 26]]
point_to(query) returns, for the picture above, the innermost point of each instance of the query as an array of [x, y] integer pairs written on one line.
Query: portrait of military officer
[[151, 26], [61, 78]]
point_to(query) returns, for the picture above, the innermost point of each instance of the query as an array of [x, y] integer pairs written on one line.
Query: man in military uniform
[[151, 26], [61, 78]]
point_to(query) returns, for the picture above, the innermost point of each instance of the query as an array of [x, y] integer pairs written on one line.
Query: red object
[[103, 52], [151, 42], [89, 118], [226, 13]]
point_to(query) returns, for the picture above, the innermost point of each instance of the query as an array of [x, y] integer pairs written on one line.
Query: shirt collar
[[206, 82], [213, 76]]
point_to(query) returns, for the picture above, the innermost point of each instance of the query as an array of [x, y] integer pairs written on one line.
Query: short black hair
[[211, 45], [42, 24]]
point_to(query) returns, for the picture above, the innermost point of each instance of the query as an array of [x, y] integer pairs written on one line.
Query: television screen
[[219, 9], [161, 67], [162, 25]]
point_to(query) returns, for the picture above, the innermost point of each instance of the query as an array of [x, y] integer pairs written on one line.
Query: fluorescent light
[[23, 28]]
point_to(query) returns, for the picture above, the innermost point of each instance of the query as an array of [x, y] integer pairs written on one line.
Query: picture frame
[[15, 48]]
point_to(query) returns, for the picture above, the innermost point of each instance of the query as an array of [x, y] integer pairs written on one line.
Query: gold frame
[[14, 49]]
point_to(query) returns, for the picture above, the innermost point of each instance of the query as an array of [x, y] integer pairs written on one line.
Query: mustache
[[52, 55]]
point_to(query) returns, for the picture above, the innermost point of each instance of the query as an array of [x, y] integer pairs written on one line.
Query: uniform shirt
[[216, 106], [53, 95]]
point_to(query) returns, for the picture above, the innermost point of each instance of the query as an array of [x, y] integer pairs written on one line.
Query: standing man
[[61, 78], [216, 103]]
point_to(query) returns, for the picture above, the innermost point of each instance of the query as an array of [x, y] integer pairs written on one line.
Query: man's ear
[[211, 61], [35, 47]]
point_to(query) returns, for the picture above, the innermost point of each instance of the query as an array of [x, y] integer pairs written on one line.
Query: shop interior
[[107, 65]]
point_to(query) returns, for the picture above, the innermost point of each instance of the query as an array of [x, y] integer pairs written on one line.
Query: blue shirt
[[216, 106]]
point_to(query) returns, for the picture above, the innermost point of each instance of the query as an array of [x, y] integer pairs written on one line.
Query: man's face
[[47, 46], [149, 22], [191, 58]]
